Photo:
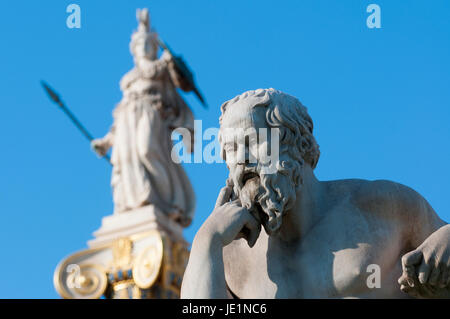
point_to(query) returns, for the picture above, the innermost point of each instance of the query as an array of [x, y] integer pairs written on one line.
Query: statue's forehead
[[243, 115]]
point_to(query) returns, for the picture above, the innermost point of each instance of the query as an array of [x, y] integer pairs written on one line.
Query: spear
[[184, 70], [55, 98]]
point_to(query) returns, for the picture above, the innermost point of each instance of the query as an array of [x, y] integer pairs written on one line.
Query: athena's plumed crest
[[143, 19], [143, 32]]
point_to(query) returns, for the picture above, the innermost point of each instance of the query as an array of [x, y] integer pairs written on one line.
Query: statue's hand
[[426, 270], [184, 221], [166, 56], [230, 221], [178, 215], [100, 146]]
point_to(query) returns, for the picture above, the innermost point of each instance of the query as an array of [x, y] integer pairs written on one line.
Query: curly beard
[[268, 196]]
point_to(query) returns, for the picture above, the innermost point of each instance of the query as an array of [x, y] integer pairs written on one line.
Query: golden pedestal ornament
[[130, 265]]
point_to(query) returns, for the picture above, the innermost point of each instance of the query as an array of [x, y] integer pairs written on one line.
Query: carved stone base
[[136, 221], [138, 254]]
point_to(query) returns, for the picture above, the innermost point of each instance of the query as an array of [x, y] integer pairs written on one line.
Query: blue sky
[[379, 98]]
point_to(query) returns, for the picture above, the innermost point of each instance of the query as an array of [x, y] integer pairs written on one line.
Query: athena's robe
[[143, 170]]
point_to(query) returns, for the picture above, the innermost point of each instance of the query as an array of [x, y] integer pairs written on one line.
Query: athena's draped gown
[[144, 172]]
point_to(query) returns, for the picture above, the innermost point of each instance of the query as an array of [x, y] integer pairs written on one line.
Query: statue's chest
[[331, 273], [321, 267]]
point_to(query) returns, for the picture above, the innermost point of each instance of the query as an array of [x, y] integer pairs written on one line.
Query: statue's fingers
[[424, 272], [412, 258], [403, 280], [409, 290], [427, 291], [405, 288], [254, 234], [254, 228], [417, 290], [406, 280], [230, 183], [409, 261], [224, 196], [434, 276]]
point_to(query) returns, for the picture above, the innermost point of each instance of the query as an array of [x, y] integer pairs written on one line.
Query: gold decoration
[[147, 264], [82, 282], [122, 252], [144, 265]]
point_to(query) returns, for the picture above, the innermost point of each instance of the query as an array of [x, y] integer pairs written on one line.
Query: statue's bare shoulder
[[401, 205]]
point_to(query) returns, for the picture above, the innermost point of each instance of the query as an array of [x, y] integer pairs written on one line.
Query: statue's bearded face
[[268, 194]]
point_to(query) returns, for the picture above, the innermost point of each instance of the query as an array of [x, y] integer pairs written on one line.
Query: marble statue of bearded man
[[348, 238], [143, 170]]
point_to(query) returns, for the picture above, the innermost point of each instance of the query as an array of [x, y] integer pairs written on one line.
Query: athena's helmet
[[144, 43]]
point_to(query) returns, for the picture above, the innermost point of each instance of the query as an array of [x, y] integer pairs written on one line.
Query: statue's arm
[[154, 69], [205, 273], [102, 145], [426, 268], [109, 137]]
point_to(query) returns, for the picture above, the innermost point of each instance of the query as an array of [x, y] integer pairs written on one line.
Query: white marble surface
[[133, 222], [321, 239], [140, 137]]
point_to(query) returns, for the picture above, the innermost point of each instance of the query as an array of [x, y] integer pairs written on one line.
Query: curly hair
[[289, 115]]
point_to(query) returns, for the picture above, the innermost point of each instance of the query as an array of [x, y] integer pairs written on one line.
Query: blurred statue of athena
[[143, 170]]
